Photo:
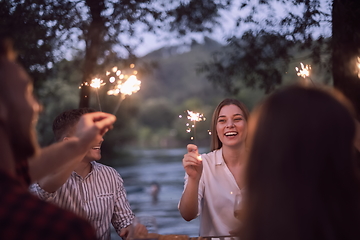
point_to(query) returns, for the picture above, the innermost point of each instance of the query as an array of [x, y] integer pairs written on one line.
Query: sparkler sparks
[[304, 71], [193, 117], [196, 117], [123, 84], [96, 83]]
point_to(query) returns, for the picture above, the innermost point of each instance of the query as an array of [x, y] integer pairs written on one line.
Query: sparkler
[[97, 83], [304, 71], [126, 85], [193, 117]]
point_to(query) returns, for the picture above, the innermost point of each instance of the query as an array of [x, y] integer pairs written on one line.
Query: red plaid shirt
[[25, 217]]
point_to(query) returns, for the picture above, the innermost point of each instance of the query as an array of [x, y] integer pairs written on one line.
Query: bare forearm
[[188, 206], [52, 182], [58, 158]]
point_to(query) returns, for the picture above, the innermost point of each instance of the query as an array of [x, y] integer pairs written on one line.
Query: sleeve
[[41, 193], [123, 215], [201, 191]]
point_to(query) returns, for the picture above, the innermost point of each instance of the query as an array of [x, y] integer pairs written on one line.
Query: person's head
[[18, 107], [229, 115], [64, 127], [301, 177]]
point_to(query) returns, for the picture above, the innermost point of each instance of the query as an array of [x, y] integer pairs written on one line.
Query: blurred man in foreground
[[23, 216]]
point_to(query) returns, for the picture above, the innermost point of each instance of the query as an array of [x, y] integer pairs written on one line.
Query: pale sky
[[220, 33], [153, 42]]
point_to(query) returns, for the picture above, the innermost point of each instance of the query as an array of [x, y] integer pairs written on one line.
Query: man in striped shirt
[[85, 187]]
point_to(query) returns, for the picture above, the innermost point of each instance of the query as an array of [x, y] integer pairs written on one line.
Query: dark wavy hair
[[301, 179]]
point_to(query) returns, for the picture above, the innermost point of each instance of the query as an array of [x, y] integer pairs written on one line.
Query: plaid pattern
[[25, 217]]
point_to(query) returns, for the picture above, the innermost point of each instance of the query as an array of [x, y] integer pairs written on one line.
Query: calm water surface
[[164, 167]]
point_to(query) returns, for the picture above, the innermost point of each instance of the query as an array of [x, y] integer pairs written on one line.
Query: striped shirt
[[100, 198]]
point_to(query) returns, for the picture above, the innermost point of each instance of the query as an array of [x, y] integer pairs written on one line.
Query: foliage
[[61, 93], [35, 27], [270, 31], [260, 56], [96, 28]]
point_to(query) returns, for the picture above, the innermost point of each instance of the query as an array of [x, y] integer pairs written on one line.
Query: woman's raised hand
[[192, 162]]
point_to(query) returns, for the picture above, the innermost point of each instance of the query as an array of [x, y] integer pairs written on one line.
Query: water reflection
[[164, 167]]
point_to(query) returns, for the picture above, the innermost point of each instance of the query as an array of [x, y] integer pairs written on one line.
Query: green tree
[[100, 25], [35, 27], [260, 56]]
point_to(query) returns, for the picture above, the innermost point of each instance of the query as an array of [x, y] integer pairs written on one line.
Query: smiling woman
[[213, 180]]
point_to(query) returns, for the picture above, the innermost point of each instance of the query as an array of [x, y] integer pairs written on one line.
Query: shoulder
[[104, 168], [213, 157], [107, 173]]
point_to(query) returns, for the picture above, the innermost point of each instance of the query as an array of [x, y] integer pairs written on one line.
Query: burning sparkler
[[125, 85], [193, 117], [97, 83], [304, 71]]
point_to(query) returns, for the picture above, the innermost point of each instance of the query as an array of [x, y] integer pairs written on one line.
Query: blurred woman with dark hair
[[213, 180], [301, 177]]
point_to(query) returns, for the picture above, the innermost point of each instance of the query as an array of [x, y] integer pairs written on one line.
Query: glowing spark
[[83, 84], [123, 84], [131, 85], [107, 73], [112, 79], [128, 87], [96, 83], [193, 116], [304, 71]]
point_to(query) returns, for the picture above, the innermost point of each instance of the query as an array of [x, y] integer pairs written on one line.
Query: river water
[[163, 166]]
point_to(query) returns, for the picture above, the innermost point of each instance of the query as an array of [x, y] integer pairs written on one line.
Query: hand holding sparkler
[[192, 162]]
